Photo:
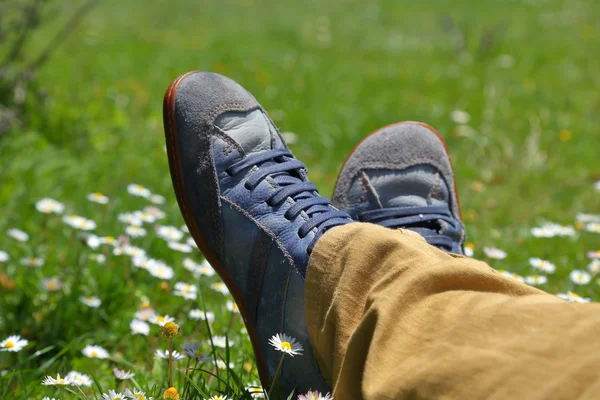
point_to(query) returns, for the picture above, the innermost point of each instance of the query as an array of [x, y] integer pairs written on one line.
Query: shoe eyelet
[[248, 186], [228, 172]]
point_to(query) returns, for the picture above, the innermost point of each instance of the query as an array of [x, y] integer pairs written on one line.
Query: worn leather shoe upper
[[401, 177], [252, 211]]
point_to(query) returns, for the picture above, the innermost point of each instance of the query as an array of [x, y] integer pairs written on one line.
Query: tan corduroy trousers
[[391, 317]]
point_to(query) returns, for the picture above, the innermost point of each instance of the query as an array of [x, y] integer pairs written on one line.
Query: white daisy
[[4, 257], [573, 297], [597, 185], [286, 344], [131, 251], [160, 320], [315, 395], [218, 397], [536, 280], [220, 287], [93, 351], [135, 231], [143, 262], [108, 240], [91, 301], [161, 271], [157, 199], [232, 306], [155, 211], [552, 229], [593, 227], [99, 258], [542, 265], [32, 261], [494, 253], [144, 314], [145, 216], [98, 198], [585, 218], [460, 116], [199, 314], [221, 341], [190, 264], [49, 206], [191, 242], [122, 374], [169, 233], [198, 269], [185, 290], [112, 395], [48, 398], [165, 354], [469, 251], [593, 254], [256, 391], [192, 351], [137, 395], [79, 379], [129, 219], [139, 327], [594, 266], [93, 241], [50, 381], [221, 364], [580, 277], [18, 235], [79, 222], [185, 229], [138, 190], [181, 247], [52, 284], [13, 343]]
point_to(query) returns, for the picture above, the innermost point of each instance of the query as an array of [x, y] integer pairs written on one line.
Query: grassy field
[[525, 150]]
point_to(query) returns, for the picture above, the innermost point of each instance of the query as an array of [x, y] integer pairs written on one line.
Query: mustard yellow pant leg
[[391, 317]]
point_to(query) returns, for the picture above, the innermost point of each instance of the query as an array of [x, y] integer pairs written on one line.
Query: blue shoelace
[[285, 170], [422, 220]]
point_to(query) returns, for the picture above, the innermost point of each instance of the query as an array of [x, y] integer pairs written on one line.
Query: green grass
[[330, 72]]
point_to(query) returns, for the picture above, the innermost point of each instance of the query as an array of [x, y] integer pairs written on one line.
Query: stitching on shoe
[[361, 179], [218, 132], [233, 106], [267, 230], [436, 189]]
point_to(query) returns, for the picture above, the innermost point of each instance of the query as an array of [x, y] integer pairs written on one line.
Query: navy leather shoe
[[252, 211], [401, 177]]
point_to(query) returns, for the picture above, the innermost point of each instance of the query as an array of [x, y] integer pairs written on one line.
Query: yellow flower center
[[94, 353], [160, 319], [32, 260], [60, 380], [286, 346], [110, 239], [171, 394], [89, 298], [139, 396], [52, 285], [170, 330], [9, 345]]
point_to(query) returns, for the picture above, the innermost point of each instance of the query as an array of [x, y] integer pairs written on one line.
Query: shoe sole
[[178, 184], [407, 123]]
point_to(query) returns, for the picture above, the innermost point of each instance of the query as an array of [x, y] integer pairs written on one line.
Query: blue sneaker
[[401, 177], [251, 210]]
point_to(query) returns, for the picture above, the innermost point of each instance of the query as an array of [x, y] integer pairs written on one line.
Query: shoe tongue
[[418, 186], [252, 130]]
